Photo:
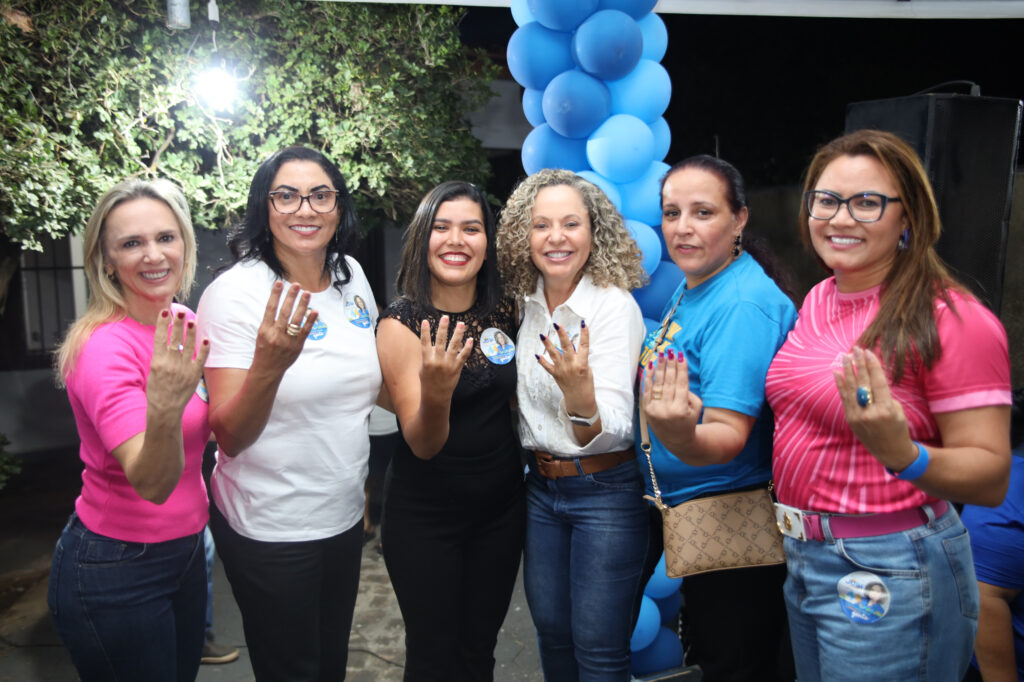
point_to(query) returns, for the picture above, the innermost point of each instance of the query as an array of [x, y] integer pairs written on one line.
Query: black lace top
[[481, 434]]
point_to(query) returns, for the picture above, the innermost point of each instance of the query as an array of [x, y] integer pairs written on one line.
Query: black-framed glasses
[[286, 201], [866, 207]]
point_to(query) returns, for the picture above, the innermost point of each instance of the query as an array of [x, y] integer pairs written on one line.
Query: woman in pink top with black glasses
[[891, 395]]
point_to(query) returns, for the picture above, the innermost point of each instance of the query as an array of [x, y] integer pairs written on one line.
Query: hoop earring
[[904, 240], [736, 246]]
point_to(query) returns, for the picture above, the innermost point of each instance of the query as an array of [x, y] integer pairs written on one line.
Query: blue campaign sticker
[[319, 330], [497, 346], [201, 391], [864, 597], [556, 340], [356, 311]]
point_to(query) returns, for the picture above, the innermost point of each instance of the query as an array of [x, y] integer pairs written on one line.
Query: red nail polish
[[181, 316], [206, 342], [650, 365], [164, 313], [671, 354], [191, 324]]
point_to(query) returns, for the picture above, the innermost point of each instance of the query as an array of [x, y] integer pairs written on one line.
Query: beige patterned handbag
[[731, 530]]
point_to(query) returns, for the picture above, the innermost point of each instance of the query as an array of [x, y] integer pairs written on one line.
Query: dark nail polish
[[583, 324], [536, 356], [555, 325], [543, 338]]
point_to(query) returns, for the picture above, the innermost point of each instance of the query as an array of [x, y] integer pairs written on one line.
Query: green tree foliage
[[92, 92]]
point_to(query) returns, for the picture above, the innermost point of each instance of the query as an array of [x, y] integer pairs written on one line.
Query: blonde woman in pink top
[[127, 586], [891, 396]]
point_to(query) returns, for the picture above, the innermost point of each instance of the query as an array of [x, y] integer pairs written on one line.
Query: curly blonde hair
[[614, 256]]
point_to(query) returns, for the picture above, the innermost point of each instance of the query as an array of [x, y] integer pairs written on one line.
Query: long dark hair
[[736, 197], [413, 280], [251, 239], [904, 327]]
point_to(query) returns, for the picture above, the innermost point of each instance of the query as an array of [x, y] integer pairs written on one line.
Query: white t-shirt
[[303, 477], [616, 334]]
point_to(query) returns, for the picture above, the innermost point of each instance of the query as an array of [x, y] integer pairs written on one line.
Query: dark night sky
[[771, 89]]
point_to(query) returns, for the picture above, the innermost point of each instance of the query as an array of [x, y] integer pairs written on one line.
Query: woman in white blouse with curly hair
[[567, 257]]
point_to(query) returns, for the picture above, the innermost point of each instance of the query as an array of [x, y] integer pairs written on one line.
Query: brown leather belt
[[552, 467]]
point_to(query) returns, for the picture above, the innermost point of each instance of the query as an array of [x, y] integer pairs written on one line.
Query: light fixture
[[215, 87]]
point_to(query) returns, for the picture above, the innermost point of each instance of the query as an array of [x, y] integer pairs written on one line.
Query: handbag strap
[[645, 436]]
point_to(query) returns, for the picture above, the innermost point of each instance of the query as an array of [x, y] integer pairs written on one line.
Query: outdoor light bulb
[[216, 89]]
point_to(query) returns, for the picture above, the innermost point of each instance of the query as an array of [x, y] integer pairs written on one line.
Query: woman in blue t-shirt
[[713, 433]]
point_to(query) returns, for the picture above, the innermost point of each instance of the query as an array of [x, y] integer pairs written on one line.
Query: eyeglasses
[[321, 201], [866, 207]]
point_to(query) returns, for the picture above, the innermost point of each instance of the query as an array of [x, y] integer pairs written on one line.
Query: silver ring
[[293, 329], [181, 347]]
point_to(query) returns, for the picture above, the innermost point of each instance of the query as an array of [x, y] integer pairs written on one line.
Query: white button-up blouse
[[616, 334]]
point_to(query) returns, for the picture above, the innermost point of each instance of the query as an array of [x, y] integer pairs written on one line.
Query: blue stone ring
[[863, 396]]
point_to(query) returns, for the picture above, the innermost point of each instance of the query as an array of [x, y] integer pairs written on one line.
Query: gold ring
[[656, 394], [293, 329]]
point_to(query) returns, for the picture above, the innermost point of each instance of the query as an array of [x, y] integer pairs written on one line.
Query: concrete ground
[[34, 508]]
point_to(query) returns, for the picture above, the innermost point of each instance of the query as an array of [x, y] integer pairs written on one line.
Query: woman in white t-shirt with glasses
[[291, 387]]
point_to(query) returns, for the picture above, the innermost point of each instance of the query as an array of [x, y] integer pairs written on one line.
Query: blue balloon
[[660, 585], [606, 185], [641, 198], [634, 8], [544, 148], [669, 608], [621, 149], [652, 300], [666, 651], [647, 625], [662, 138], [575, 104], [537, 54], [532, 107], [650, 246], [644, 93], [521, 13], [655, 36], [608, 44], [561, 15], [666, 255]]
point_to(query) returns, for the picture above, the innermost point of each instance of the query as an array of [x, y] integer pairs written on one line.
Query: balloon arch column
[[596, 92]]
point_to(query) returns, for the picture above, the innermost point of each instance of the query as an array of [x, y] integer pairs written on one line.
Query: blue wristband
[[917, 467]]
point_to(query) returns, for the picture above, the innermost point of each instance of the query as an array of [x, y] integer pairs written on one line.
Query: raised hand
[[876, 418], [284, 328], [176, 367], [669, 403], [570, 369], [443, 359]]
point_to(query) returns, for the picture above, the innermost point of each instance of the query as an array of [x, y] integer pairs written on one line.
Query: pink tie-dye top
[[818, 463]]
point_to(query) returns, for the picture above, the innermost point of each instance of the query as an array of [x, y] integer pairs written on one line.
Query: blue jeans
[[922, 627], [129, 610], [586, 538]]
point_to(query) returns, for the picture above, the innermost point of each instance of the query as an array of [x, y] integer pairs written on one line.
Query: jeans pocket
[[100, 550], [890, 555], [621, 478], [958, 551]]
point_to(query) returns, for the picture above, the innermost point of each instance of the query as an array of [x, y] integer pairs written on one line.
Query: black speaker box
[[969, 148]]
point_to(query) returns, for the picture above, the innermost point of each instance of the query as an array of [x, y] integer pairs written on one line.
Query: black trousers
[[734, 622], [296, 600], [453, 566]]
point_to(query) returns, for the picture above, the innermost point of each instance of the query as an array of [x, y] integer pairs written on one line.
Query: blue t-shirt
[[729, 329], [997, 542]]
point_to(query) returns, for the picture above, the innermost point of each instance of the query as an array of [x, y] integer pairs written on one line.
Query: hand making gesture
[[176, 367], [443, 359], [667, 398], [284, 329]]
